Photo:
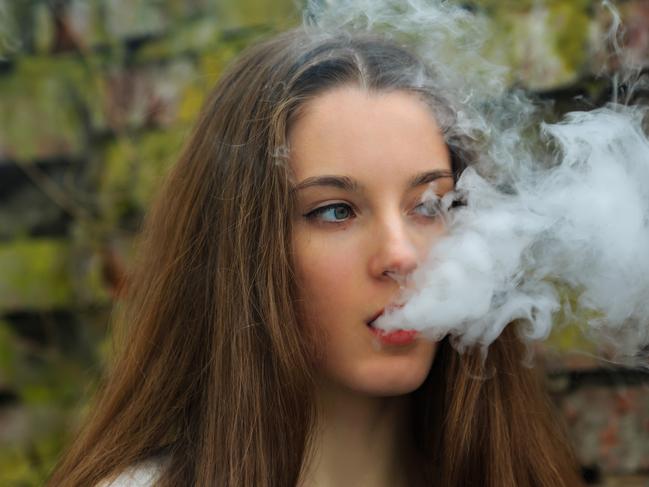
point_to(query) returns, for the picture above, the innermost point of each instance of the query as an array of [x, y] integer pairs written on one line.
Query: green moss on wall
[[133, 169], [568, 325], [77, 103], [35, 275], [46, 383], [43, 105], [193, 36], [280, 13], [571, 22], [40, 274], [544, 42]]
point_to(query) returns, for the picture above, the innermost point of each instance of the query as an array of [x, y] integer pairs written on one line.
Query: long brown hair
[[214, 369]]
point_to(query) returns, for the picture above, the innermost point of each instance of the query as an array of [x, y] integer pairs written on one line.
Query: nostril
[[398, 277]]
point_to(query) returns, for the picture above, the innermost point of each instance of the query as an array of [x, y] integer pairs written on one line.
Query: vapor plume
[[551, 209]]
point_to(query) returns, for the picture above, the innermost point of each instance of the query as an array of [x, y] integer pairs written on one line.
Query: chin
[[391, 377], [383, 372], [393, 386]]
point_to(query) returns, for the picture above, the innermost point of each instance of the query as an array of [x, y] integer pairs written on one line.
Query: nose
[[395, 252]]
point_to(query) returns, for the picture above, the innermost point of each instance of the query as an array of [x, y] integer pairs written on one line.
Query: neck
[[360, 440]]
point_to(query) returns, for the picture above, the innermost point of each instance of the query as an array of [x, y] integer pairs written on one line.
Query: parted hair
[[213, 370]]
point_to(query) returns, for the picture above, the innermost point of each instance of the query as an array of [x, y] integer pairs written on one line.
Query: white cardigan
[[143, 474]]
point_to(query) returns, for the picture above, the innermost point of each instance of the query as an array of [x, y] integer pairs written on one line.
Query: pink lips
[[394, 337]]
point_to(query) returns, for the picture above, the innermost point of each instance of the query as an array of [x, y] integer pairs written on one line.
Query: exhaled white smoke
[[582, 223], [572, 213]]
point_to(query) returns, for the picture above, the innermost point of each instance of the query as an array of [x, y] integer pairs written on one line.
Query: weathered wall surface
[[96, 99]]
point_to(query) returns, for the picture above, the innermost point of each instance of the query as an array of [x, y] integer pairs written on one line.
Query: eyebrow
[[348, 184]]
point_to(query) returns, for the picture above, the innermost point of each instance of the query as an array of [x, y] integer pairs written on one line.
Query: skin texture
[[350, 259], [347, 256]]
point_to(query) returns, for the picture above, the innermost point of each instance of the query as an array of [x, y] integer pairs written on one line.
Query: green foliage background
[[96, 99]]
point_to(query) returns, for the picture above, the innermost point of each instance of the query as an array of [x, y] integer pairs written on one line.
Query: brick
[[127, 19], [626, 481], [636, 39], [543, 45], [609, 426], [147, 96], [632, 38], [85, 22]]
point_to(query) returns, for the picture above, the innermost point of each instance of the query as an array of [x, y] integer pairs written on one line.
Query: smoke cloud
[[556, 215]]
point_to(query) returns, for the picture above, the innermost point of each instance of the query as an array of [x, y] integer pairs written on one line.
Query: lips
[[394, 337]]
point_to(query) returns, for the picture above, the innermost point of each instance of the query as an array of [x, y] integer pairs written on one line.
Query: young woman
[[286, 228]]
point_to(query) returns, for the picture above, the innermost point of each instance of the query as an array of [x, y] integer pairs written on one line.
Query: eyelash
[[315, 214], [318, 212]]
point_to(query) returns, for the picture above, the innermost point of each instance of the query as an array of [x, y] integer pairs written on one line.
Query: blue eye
[[428, 209], [334, 213]]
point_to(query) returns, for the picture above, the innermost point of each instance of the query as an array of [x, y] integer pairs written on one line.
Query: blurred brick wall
[[96, 98]]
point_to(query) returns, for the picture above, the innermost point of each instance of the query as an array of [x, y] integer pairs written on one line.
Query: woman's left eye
[[428, 209], [334, 213]]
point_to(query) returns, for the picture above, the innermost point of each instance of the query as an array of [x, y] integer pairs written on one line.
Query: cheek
[[335, 290], [327, 275], [328, 270]]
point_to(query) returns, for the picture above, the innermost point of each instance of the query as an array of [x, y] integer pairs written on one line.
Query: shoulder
[[143, 474]]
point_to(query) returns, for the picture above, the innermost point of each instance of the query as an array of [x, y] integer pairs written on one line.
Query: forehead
[[367, 135]]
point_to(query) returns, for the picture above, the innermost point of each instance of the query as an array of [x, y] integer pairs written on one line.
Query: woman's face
[[362, 162]]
